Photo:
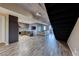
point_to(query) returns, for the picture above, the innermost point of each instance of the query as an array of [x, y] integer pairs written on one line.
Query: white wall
[[7, 29], [73, 40], [2, 29]]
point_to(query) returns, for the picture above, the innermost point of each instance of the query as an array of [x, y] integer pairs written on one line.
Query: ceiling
[[35, 9]]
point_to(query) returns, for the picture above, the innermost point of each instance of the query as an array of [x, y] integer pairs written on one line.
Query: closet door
[[13, 29]]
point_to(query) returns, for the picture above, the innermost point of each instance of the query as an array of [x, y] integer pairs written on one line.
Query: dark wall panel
[[62, 17], [13, 29]]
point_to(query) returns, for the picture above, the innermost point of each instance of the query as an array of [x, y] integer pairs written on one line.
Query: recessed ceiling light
[[38, 14]]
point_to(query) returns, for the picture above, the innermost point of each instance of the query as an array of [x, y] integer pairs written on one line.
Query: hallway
[[35, 46]]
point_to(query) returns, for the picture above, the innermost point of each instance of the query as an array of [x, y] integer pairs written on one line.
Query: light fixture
[[38, 14]]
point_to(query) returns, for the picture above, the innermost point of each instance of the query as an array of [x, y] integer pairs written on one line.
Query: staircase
[[62, 18]]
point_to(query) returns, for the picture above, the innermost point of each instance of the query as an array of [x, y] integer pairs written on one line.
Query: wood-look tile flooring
[[35, 46]]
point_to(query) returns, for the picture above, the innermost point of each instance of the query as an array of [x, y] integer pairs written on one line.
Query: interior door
[[13, 29]]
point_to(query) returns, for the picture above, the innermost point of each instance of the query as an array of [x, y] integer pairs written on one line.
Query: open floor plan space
[[39, 29]]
